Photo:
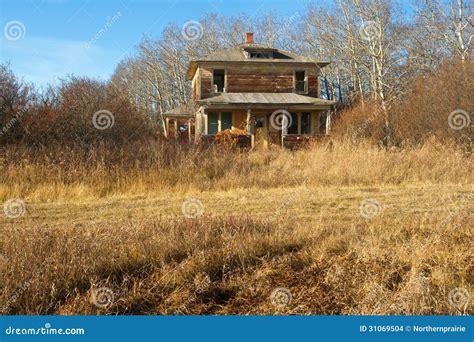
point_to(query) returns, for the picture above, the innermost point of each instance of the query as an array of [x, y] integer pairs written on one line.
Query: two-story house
[[266, 92]]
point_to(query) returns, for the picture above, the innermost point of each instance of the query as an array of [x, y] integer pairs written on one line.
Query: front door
[[261, 130], [212, 123], [226, 120]]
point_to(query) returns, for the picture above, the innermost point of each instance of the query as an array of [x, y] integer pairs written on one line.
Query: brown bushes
[[79, 111], [230, 138], [421, 113]]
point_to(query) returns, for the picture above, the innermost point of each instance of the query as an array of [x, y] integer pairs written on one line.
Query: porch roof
[[182, 111], [266, 99]]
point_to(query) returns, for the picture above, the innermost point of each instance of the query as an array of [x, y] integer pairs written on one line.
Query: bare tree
[[449, 24]]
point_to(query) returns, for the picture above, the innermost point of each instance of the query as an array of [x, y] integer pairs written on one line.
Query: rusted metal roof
[[266, 99]]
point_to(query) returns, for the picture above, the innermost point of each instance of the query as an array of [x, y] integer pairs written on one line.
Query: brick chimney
[[249, 38]]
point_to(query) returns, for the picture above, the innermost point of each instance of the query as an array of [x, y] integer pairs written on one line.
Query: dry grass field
[[335, 229]]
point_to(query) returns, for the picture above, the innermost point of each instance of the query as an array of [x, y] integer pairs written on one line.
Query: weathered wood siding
[[196, 85], [313, 86], [206, 83], [260, 82], [256, 79], [239, 119]]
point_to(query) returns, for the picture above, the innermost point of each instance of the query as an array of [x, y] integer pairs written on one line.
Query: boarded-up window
[[240, 120], [219, 80], [226, 120], [212, 123], [305, 123]]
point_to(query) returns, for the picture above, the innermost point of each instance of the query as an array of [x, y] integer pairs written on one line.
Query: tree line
[[377, 51]]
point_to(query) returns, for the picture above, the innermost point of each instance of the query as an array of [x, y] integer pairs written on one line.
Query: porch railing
[[294, 140]]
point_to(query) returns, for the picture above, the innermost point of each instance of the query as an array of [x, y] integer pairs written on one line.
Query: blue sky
[[61, 37]]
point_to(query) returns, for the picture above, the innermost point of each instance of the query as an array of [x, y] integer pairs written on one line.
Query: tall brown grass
[[406, 265], [331, 259], [154, 166]]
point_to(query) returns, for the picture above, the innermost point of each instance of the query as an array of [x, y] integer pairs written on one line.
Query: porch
[[268, 119], [179, 123], [264, 128]]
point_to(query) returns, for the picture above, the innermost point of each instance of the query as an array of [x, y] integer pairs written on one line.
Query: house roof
[[239, 53], [184, 110], [265, 99]]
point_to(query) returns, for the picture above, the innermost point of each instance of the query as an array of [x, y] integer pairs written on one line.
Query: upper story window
[[261, 55], [301, 85], [219, 80]]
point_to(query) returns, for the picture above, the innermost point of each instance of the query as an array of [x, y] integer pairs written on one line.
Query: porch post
[[202, 124], [199, 124], [298, 124], [250, 127], [265, 132], [167, 121], [284, 129], [328, 122], [176, 128], [189, 130]]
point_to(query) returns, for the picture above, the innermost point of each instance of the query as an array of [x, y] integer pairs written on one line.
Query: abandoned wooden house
[[269, 95]]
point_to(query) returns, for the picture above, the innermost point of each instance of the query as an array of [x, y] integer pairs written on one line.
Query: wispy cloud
[[44, 60]]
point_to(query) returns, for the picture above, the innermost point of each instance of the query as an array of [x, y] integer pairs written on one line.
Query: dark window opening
[[300, 81], [219, 80], [305, 123], [182, 128], [260, 122], [226, 120], [262, 55], [212, 123], [293, 129]]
